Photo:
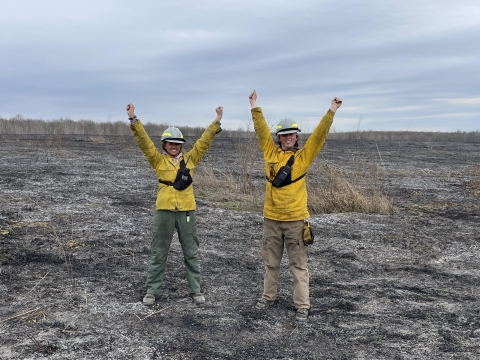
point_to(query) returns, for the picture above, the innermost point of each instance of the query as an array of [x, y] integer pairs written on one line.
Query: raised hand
[[219, 111], [130, 110], [335, 104], [253, 99]]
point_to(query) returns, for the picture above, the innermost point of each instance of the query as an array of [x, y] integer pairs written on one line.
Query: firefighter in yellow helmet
[[285, 205], [175, 205]]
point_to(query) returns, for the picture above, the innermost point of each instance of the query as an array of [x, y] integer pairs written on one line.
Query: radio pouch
[[183, 179], [284, 176], [307, 233]]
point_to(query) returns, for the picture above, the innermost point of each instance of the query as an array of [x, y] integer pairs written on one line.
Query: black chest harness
[[284, 175], [183, 179]]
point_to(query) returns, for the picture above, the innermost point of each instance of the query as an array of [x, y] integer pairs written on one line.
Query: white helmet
[[173, 134], [287, 126]]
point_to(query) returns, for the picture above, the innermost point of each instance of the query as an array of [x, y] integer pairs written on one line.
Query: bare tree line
[[419, 136], [18, 125]]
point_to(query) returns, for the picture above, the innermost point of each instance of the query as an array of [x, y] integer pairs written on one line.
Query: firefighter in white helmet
[[175, 204], [285, 205]]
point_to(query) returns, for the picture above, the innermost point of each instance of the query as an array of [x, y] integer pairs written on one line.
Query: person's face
[[287, 141], [172, 149]]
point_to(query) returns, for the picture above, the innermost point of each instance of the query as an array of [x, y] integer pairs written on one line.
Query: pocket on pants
[[267, 251], [298, 254], [264, 250]]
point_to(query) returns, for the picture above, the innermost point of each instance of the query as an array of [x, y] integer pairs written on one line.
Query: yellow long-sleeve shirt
[[288, 203], [169, 198]]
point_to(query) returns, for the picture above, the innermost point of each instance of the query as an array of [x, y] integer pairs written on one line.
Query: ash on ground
[[75, 230]]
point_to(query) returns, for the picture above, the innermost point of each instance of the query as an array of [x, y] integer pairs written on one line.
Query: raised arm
[[203, 144], [143, 140], [318, 136], [261, 127]]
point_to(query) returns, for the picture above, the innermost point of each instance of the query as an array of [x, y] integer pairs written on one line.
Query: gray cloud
[[398, 65]]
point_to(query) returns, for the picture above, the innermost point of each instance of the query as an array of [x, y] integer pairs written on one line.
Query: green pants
[[164, 224]]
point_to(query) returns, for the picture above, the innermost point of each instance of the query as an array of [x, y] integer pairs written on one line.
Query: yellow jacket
[[288, 203], [169, 198]]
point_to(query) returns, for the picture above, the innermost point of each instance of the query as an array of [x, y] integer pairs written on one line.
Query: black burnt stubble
[[75, 225]]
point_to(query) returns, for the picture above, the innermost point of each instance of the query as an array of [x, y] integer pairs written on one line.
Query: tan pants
[[275, 235]]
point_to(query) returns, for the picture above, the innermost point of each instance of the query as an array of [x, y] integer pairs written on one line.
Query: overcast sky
[[396, 64]]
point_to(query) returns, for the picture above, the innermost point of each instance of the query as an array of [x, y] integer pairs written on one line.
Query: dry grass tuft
[[472, 185], [74, 244], [222, 188], [41, 226], [331, 192], [30, 316], [99, 139], [212, 182]]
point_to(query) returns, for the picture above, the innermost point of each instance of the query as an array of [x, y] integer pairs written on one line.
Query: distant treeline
[[418, 136], [20, 126]]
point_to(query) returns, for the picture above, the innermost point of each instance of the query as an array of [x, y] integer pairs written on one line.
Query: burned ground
[[75, 224]]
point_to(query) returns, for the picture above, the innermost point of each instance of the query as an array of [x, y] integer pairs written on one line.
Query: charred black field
[[75, 224]]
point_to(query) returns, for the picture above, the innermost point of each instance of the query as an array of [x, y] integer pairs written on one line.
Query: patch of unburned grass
[[215, 184], [472, 185], [41, 226], [425, 247], [29, 316], [329, 191], [75, 244], [221, 188], [99, 139]]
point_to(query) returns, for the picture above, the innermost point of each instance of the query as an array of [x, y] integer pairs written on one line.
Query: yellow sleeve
[[263, 132], [203, 144], [146, 144], [316, 139]]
